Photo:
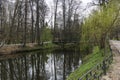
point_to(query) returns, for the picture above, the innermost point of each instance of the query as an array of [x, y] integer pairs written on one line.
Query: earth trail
[[114, 70]]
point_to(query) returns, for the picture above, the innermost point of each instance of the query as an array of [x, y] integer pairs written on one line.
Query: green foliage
[[49, 45], [46, 35], [89, 62], [96, 50], [98, 25]]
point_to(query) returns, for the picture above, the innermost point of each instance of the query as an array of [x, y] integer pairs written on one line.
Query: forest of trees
[[102, 25], [33, 21], [24, 21]]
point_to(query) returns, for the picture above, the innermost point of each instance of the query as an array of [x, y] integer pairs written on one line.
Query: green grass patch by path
[[88, 62]]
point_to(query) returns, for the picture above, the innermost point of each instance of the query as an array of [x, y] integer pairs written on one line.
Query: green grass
[[36, 48], [89, 62], [49, 45]]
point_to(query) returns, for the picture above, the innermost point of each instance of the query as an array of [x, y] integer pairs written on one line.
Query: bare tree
[[64, 19], [37, 22], [43, 11], [25, 27], [13, 22], [55, 15], [32, 20]]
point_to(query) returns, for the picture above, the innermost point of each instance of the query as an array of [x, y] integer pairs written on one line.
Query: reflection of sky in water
[[46, 63], [59, 67], [49, 67]]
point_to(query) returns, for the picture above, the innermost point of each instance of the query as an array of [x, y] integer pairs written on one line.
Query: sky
[[84, 2], [86, 10]]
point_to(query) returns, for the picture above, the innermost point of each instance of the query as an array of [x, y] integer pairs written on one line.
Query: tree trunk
[[32, 21], [25, 28], [64, 19], [55, 15], [37, 22]]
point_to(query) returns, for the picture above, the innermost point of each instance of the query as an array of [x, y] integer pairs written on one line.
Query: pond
[[40, 65]]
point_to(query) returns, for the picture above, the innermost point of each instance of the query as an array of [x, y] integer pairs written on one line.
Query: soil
[[114, 70]]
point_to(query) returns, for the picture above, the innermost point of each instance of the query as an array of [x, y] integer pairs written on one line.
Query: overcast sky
[[83, 6], [84, 2]]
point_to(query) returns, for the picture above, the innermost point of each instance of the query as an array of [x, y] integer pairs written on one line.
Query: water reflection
[[39, 65]]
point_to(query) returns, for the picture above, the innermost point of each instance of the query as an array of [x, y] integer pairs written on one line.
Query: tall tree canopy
[[98, 26]]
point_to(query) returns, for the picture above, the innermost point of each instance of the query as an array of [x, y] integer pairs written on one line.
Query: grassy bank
[[88, 62], [68, 47], [35, 48], [18, 48], [52, 46]]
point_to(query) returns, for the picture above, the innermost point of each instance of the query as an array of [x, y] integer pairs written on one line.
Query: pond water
[[42, 65]]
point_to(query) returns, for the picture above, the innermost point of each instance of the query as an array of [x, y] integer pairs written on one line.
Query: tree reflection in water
[[52, 65]]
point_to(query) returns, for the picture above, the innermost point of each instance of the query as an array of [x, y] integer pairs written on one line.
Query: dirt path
[[12, 48], [7, 49], [114, 70]]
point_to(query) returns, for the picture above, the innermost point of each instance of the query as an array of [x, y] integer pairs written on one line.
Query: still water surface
[[42, 65]]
